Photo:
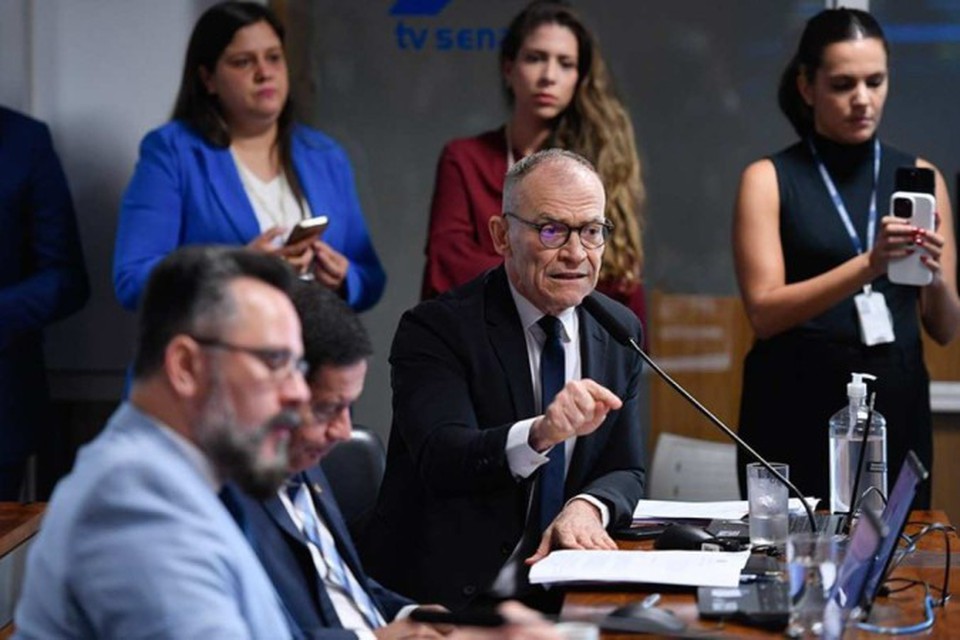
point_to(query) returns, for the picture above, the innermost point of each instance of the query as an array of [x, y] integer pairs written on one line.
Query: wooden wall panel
[[701, 342]]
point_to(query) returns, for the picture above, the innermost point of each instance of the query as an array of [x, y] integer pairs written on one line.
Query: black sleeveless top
[[794, 381], [815, 240]]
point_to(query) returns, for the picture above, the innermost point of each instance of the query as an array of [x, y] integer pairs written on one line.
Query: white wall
[[14, 61]]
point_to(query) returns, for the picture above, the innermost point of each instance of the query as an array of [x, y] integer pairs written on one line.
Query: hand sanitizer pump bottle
[[845, 441]]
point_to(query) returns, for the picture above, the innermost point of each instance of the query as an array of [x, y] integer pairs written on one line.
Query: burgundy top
[[467, 193]]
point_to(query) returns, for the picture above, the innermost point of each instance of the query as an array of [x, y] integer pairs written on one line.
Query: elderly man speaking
[[516, 423]]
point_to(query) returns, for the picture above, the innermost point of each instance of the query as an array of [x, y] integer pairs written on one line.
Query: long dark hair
[[195, 106], [595, 125], [827, 27]]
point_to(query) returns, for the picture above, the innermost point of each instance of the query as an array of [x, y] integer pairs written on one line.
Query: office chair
[[355, 470], [693, 469]]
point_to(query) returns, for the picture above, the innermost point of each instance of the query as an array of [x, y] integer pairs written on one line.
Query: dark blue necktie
[[552, 376]]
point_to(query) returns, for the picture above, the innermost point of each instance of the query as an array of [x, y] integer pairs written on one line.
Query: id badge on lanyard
[[876, 323]]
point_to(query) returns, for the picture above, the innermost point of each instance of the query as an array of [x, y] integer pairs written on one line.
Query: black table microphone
[[622, 335]]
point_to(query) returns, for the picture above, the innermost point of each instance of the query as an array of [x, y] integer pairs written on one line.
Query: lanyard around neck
[[838, 201]]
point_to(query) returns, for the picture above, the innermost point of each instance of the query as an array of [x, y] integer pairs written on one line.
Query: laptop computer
[[861, 556], [739, 530], [860, 576], [765, 601], [895, 514]]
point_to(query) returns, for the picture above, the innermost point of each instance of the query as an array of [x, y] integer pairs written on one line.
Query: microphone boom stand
[[621, 335]]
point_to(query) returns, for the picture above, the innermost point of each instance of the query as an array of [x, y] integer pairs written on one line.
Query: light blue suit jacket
[[186, 191], [136, 544]]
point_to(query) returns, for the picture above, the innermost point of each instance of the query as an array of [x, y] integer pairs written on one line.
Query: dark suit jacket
[[42, 275], [283, 552], [450, 512]]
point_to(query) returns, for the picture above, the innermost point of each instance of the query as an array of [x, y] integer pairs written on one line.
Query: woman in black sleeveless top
[[799, 267]]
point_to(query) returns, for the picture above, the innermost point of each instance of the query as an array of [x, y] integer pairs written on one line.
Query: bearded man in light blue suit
[[136, 543]]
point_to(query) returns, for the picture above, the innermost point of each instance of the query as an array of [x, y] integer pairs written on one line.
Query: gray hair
[[525, 167]]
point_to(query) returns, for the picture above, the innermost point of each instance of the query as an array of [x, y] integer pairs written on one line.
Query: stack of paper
[[687, 568], [723, 510]]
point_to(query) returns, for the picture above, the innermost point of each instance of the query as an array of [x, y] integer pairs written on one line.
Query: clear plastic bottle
[[846, 436]]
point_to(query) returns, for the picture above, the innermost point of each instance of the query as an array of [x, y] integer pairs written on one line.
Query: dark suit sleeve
[[619, 479], [433, 400], [390, 602], [55, 283]]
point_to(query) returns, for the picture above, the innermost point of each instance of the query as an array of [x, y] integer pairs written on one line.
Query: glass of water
[[768, 499], [813, 560]]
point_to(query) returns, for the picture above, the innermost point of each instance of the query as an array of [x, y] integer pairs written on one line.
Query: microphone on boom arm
[[620, 333]]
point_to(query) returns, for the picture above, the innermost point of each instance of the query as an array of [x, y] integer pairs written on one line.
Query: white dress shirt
[[522, 459]]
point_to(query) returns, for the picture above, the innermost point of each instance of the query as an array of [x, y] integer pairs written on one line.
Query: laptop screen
[[861, 555], [912, 473]]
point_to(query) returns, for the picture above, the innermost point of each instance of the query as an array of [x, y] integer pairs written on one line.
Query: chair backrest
[[355, 470], [693, 469]]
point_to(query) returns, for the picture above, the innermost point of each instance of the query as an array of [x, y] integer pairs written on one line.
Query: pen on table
[[650, 601]]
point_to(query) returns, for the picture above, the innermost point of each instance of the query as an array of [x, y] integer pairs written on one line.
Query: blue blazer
[[186, 191], [42, 275], [136, 544], [461, 379], [284, 554]]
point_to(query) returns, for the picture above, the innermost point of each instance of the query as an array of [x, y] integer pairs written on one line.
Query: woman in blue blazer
[[232, 167]]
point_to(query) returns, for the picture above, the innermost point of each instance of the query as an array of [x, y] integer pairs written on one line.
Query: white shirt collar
[[530, 314]]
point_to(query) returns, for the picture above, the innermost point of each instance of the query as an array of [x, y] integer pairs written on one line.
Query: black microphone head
[[613, 326]]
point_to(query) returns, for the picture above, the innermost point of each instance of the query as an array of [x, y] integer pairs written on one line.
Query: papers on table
[[722, 510], [687, 568]]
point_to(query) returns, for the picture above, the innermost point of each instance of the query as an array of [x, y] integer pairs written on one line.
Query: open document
[[689, 568]]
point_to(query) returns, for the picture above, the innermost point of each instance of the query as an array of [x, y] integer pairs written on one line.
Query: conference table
[[18, 524], [898, 609]]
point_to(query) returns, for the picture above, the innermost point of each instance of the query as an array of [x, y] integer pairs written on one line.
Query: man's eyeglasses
[[324, 412], [282, 363], [554, 235]]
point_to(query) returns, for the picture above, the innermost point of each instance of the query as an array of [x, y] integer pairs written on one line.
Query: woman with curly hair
[[561, 95]]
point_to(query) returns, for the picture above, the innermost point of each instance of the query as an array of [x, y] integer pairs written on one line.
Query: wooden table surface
[[899, 609], [18, 522]]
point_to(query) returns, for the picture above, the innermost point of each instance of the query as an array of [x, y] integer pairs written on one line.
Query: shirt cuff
[[604, 510], [521, 457], [405, 612], [364, 634]]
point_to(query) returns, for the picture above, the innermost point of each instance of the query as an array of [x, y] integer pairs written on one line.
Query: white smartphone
[[312, 227], [914, 202]]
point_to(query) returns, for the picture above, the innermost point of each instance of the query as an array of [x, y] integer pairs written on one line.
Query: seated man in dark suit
[[516, 418], [300, 534]]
